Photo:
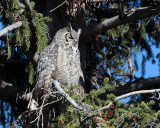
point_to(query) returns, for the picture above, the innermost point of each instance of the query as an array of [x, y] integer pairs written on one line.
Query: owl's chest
[[67, 70]]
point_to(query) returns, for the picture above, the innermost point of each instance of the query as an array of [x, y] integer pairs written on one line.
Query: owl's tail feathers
[[32, 105]]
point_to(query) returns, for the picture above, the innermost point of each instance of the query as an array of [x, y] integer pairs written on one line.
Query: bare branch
[[10, 28], [58, 6], [127, 95], [134, 14], [110, 1], [137, 92], [9, 91], [62, 92], [4, 84], [105, 107]]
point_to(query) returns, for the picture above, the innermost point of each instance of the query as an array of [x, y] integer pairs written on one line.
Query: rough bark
[[150, 83], [113, 22]]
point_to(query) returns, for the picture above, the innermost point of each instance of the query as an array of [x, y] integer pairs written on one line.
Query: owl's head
[[68, 35]]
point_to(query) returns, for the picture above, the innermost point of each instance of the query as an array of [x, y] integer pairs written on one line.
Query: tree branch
[[105, 13], [30, 16], [138, 92], [127, 95], [13, 92], [110, 1], [134, 14], [150, 83], [27, 6], [10, 28], [58, 6], [138, 85], [62, 92]]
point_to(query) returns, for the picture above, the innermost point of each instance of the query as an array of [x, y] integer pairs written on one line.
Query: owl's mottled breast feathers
[[60, 60]]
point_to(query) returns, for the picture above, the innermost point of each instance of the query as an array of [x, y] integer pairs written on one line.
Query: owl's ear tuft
[[69, 27], [79, 31]]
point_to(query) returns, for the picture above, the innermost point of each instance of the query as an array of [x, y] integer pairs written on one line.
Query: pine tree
[[113, 32]]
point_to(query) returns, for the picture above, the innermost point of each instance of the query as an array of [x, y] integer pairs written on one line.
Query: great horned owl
[[59, 61]]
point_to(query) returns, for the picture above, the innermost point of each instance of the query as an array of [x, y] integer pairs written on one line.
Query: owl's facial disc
[[71, 40]]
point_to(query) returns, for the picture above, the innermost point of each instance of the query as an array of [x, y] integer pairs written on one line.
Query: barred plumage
[[59, 61]]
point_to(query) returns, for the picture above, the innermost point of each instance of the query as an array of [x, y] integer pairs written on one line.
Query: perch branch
[[10, 28], [62, 92]]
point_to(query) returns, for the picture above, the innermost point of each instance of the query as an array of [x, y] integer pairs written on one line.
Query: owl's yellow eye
[[69, 37]]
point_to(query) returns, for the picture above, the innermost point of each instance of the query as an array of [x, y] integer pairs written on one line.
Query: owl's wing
[[46, 66]]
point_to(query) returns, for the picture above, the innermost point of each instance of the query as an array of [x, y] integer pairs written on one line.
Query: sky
[[152, 70]]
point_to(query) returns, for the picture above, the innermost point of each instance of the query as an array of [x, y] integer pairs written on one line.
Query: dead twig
[[58, 6]]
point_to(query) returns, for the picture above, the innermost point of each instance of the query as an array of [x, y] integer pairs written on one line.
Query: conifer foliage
[[114, 34]]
